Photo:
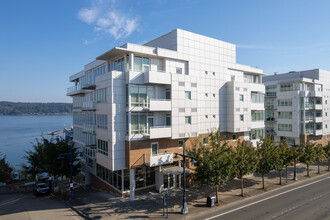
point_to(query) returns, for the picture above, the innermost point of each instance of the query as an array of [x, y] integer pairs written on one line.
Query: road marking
[[290, 190]]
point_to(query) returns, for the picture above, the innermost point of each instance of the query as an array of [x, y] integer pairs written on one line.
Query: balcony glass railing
[[74, 88]]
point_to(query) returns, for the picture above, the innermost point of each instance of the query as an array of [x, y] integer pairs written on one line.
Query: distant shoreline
[[49, 114]]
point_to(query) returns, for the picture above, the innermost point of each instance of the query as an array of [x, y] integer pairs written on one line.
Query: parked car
[[41, 189]]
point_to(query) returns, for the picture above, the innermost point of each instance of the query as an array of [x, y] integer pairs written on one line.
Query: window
[[256, 134], [289, 87], [285, 127], [241, 98], [187, 94], [232, 77], [257, 97], [193, 84], [102, 121], [213, 95], [205, 140], [206, 116], [213, 116], [138, 123], [101, 95], [102, 147], [154, 149], [137, 64], [139, 95], [285, 115], [237, 109], [168, 93], [188, 120], [168, 119], [181, 83], [241, 117], [285, 102], [234, 136], [213, 73], [237, 88], [245, 89], [206, 95], [179, 70], [180, 143], [145, 64], [257, 115], [206, 72]]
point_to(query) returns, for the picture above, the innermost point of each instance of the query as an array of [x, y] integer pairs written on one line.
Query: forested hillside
[[21, 108]]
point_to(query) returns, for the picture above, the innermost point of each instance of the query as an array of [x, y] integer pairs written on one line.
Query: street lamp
[[61, 156], [184, 209], [295, 164]]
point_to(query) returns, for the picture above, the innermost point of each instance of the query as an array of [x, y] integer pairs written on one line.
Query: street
[[28, 206], [307, 200]]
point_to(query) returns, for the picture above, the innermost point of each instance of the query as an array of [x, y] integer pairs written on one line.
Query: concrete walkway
[[102, 205]]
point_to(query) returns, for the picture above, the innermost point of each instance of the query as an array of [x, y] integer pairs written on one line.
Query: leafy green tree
[[214, 162], [245, 161], [308, 154], [5, 169], [282, 157], [319, 156], [327, 154], [45, 157], [265, 154]]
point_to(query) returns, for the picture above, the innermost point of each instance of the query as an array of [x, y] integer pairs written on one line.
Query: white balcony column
[[132, 185], [131, 61]]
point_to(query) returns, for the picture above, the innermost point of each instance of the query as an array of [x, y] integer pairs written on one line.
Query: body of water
[[18, 133]]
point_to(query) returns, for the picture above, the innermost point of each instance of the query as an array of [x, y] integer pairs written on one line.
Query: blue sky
[[43, 42]]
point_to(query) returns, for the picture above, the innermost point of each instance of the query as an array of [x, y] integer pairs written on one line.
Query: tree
[[45, 157], [245, 161], [214, 162], [319, 156], [327, 154], [308, 154], [282, 157], [5, 169], [265, 154]]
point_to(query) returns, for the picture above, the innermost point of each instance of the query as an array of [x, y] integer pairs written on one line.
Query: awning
[[175, 170]]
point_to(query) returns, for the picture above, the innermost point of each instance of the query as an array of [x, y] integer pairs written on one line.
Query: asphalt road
[[308, 200], [28, 206]]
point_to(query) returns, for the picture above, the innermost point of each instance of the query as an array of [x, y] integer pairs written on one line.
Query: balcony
[[315, 93], [75, 90], [270, 107], [318, 132], [161, 159], [89, 106], [160, 105], [158, 132], [318, 119], [271, 119], [155, 77], [317, 106], [91, 86], [88, 128], [270, 95]]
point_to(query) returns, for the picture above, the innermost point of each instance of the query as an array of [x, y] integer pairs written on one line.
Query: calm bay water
[[17, 133]]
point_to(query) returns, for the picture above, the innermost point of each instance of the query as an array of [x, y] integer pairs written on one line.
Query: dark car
[[41, 189]]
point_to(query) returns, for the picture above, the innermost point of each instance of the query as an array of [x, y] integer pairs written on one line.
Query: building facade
[[137, 105], [296, 106]]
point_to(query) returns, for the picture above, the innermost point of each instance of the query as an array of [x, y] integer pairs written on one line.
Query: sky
[[43, 42]]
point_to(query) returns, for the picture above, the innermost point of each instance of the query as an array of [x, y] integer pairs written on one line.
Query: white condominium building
[[297, 106], [137, 105]]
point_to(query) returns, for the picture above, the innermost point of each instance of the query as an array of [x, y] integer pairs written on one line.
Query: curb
[[81, 214]]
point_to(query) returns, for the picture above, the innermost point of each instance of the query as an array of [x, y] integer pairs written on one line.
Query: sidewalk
[[102, 205]]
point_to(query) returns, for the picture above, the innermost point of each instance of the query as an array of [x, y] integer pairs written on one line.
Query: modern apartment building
[[137, 105], [296, 106]]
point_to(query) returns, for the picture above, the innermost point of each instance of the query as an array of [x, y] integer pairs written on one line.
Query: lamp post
[[295, 164], [61, 156], [184, 209]]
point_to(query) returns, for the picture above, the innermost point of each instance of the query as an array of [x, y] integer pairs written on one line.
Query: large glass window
[[137, 64], [289, 87], [145, 64], [257, 115], [256, 134], [284, 127], [285, 102], [285, 115], [101, 95], [102, 147], [139, 123], [139, 95], [257, 97], [102, 121]]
